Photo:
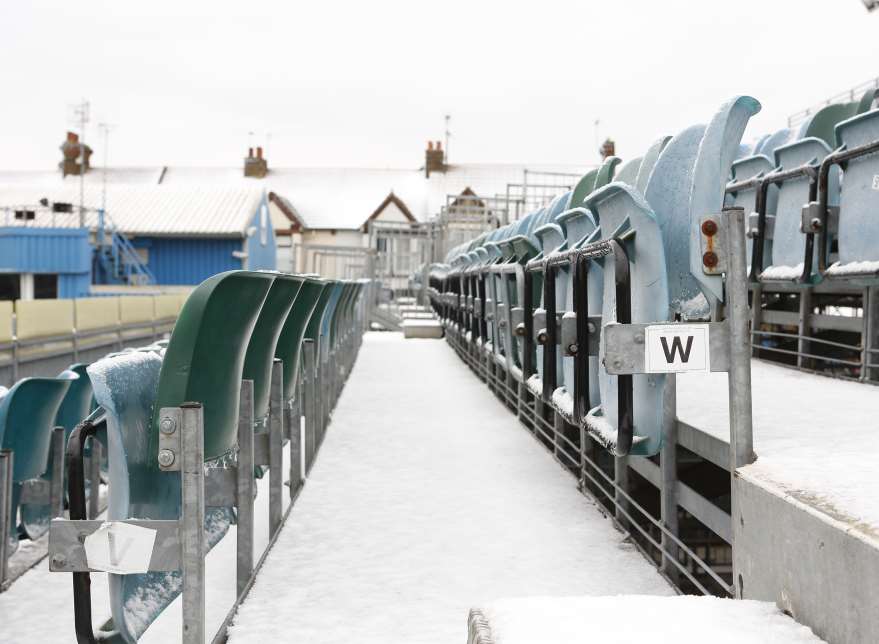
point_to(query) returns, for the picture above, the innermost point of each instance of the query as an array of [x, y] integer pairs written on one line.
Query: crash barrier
[[39, 336], [255, 362]]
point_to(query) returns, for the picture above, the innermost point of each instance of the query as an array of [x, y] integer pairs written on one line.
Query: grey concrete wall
[[813, 562]]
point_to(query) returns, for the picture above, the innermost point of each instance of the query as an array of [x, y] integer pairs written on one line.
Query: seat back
[[205, 357], [289, 344], [264, 339], [753, 167], [858, 236], [75, 406], [27, 416], [789, 243]]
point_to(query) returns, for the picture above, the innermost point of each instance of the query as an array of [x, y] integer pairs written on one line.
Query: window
[[10, 286], [45, 287]]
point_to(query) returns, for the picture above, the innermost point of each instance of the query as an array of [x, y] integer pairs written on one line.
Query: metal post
[[668, 469], [804, 328], [309, 407], [871, 341], [56, 487], [756, 316], [294, 433], [741, 427], [6, 463], [245, 487], [192, 523], [741, 433], [276, 446], [621, 480], [94, 475]]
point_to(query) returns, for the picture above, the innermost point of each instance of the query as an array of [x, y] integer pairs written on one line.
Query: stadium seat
[[76, 405], [27, 415], [858, 252], [203, 362]]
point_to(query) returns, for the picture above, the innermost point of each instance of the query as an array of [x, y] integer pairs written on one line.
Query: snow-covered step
[[628, 619]]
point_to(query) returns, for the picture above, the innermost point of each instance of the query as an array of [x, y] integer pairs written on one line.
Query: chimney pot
[[259, 153], [439, 145], [72, 137], [249, 153], [430, 145]]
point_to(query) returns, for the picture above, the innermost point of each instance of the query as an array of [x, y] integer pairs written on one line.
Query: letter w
[[676, 347]]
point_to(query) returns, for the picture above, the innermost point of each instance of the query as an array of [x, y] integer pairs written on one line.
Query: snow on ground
[[428, 498], [628, 619], [813, 435]]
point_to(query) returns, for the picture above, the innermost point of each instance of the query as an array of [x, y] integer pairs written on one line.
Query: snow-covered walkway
[[428, 498]]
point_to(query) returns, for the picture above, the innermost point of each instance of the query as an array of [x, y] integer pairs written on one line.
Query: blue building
[[133, 235], [44, 262]]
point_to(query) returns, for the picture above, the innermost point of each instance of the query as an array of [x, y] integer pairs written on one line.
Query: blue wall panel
[[44, 250], [74, 285], [191, 260], [260, 246]]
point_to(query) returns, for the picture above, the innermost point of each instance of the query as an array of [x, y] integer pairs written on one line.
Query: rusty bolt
[[617, 363], [709, 259], [166, 458], [541, 337], [709, 227], [520, 330], [59, 560], [815, 223], [573, 348]]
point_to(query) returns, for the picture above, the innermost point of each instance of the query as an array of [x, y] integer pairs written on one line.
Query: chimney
[[76, 156], [434, 158], [255, 166], [608, 149]]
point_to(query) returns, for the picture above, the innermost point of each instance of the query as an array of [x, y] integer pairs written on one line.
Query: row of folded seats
[[812, 194], [626, 245], [235, 327]]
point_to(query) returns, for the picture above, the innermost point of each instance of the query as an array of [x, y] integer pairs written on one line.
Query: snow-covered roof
[[157, 210], [323, 198]]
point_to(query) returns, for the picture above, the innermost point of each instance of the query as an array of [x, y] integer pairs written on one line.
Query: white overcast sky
[[367, 83]]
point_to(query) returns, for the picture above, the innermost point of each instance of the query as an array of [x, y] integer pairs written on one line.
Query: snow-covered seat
[[858, 232], [203, 362]]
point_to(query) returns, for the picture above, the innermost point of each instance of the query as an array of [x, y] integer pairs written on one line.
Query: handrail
[[82, 594]]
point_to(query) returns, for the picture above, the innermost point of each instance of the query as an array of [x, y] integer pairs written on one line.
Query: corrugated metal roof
[[334, 198], [210, 211]]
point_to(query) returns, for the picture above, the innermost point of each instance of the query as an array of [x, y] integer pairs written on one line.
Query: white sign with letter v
[[120, 547], [673, 348]]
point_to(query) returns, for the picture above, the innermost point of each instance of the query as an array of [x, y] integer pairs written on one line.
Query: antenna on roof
[[105, 128], [448, 119]]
